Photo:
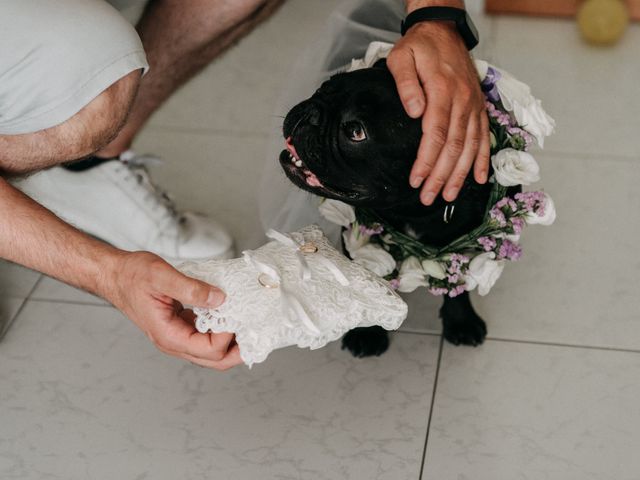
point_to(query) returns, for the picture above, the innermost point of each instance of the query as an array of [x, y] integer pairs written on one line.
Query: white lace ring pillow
[[295, 290]]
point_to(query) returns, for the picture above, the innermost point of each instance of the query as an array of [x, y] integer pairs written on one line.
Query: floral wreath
[[477, 259]]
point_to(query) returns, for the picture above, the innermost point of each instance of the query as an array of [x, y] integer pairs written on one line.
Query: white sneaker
[[117, 202]]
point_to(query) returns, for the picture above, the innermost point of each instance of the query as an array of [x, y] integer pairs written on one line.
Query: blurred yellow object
[[602, 22]]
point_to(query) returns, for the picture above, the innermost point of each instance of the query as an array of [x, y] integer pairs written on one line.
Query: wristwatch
[[464, 24]]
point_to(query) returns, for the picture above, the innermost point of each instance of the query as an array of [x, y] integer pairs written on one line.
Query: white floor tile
[[86, 396], [16, 281], [237, 93], [8, 309], [577, 281], [517, 411], [592, 92], [424, 312], [214, 174]]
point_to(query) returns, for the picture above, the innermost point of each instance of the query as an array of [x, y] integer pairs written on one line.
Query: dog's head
[[353, 141]]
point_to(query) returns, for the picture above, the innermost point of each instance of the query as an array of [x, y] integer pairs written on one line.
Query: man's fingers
[[462, 167], [402, 66], [435, 128], [188, 291], [232, 359], [449, 154], [481, 166], [177, 334], [209, 346]]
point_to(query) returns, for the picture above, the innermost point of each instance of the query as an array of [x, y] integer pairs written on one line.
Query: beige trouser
[[57, 56]]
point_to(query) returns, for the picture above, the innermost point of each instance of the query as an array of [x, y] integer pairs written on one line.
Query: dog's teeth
[[298, 163]]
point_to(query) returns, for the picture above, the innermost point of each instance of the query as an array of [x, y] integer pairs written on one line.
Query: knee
[[81, 135], [99, 122]]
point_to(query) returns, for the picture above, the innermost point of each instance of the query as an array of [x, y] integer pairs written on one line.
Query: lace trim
[[260, 317]]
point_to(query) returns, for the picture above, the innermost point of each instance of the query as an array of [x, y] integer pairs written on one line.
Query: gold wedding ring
[[308, 247], [267, 282]]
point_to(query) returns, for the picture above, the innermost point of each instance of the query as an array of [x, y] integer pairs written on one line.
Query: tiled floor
[[553, 394]]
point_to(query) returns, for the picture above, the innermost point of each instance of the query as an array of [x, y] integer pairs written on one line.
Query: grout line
[[565, 345], [536, 342], [433, 402], [12, 320], [418, 332]]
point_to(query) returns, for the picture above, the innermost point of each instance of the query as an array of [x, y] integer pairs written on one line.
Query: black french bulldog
[[352, 141]]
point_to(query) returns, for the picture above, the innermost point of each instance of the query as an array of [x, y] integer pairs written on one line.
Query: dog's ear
[[381, 64]]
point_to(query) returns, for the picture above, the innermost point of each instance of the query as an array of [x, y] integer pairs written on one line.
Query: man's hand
[[151, 293], [437, 80]]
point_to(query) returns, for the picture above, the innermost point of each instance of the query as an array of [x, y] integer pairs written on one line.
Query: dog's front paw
[[464, 332], [366, 341]]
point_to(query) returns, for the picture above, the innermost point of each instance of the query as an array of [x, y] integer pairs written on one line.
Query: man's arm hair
[[32, 236]]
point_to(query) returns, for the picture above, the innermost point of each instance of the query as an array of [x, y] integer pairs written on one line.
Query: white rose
[[375, 51], [375, 259], [434, 269], [534, 120], [514, 237], [516, 97], [411, 275], [482, 67], [483, 272], [513, 167], [337, 212], [354, 239], [547, 218]]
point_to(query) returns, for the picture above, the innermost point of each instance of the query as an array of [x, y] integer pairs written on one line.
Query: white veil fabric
[[348, 33]]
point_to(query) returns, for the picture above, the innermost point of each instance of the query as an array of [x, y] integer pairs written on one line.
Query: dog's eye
[[355, 131]]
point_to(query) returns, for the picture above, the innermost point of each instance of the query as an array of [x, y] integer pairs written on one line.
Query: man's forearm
[[415, 4], [34, 237]]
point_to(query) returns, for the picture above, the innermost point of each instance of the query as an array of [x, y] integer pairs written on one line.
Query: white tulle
[[348, 34], [310, 303]]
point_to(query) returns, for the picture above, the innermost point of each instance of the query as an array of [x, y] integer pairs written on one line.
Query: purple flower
[[488, 243], [518, 225], [489, 84], [507, 202], [532, 202], [509, 250], [526, 137], [459, 258], [373, 229], [497, 215], [454, 292], [438, 291], [394, 283]]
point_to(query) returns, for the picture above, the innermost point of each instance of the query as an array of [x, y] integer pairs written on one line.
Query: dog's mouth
[[299, 173], [296, 167]]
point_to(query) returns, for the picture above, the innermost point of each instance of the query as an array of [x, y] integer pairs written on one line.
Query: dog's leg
[[366, 341], [461, 325]]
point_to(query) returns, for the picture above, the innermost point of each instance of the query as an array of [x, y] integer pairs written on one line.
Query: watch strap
[[457, 15]]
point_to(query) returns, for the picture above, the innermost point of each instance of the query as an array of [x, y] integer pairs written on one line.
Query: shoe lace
[[155, 197]]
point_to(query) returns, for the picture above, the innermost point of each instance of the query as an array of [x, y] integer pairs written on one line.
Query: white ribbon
[[291, 305], [304, 265], [305, 271]]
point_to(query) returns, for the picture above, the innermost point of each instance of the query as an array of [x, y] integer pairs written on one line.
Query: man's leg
[[180, 38], [114, 198], [89, 130]]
